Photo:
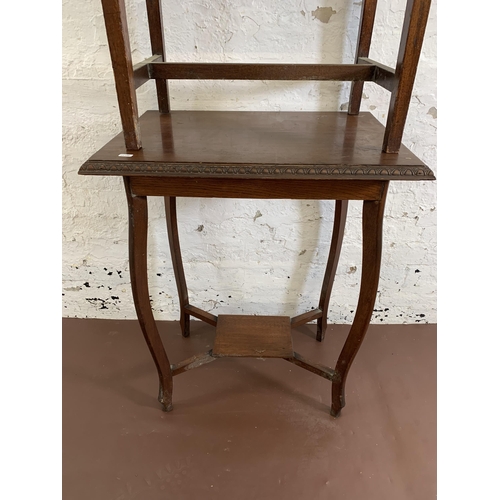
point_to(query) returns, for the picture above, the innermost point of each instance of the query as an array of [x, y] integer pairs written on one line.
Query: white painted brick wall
[[246, 256]]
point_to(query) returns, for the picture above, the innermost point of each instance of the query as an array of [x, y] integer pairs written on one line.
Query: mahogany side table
[[337, 156]]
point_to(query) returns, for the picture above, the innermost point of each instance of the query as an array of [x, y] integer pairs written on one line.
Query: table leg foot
[[335, 411], [185, 323], [338, 400], [165, 400], [320, 331]]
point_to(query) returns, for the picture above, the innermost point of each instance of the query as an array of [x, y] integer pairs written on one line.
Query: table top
[[239, 144]]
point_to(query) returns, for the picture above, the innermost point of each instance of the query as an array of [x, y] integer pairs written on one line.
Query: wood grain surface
[[258, 144]]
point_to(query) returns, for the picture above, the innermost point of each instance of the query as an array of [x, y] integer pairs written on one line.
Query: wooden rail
[[216, 71], [365, 70]]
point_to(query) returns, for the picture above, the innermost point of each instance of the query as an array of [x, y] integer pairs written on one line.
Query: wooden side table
[[268, 155]]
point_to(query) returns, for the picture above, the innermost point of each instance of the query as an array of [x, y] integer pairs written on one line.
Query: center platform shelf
[[253, 336]]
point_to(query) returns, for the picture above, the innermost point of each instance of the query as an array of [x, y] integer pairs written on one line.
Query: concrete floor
[[245, 428]]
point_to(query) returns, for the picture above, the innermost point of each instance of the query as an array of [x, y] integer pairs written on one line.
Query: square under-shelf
[[253, 336]]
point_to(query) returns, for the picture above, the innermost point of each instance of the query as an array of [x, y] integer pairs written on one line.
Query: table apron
[[305, 189]]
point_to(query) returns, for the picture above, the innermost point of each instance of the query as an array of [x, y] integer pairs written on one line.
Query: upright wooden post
[[119, 47], [367, 20], [417, 12], [155, 22]]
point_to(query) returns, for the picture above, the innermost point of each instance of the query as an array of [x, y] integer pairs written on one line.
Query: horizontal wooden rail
[[306, 317], [216, 71], [317, 368], [192, 362], [141, 71], [385, 76], [365, 70], [201, 314]]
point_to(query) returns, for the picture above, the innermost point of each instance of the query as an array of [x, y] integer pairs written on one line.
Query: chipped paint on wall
[[239, 253], [433, 112], [323, 14]]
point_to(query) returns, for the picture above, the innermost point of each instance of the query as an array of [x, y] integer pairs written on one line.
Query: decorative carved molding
[[420, 172]]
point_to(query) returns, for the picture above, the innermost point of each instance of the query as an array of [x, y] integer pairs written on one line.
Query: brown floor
[[247, 428]]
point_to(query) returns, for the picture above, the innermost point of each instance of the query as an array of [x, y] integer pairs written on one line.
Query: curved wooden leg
[[138, 236], [341, 207], [175, 252], [373, 214]]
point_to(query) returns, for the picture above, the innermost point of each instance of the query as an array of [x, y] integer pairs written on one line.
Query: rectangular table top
[[261, 144]]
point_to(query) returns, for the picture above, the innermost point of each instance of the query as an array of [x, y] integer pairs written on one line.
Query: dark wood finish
[[138, 253], [242, 71], [258, 188], [263, 145], [367, 20], [284, 155], [306, 317], [155, 23], [119, 47], [385, 76], [317, 368], [365, 70], [399, 81], [175, 253], [373, 214], [141, 71], [205, 316], [412, 38], [193, 362], [253, 336], [340, 218]]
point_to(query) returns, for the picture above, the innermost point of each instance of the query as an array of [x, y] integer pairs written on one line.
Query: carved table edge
[[347, 172]]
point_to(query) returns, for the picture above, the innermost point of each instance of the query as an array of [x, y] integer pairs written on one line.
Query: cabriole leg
[[175, 252], [373, 214], [138, 234], [341, 207]]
